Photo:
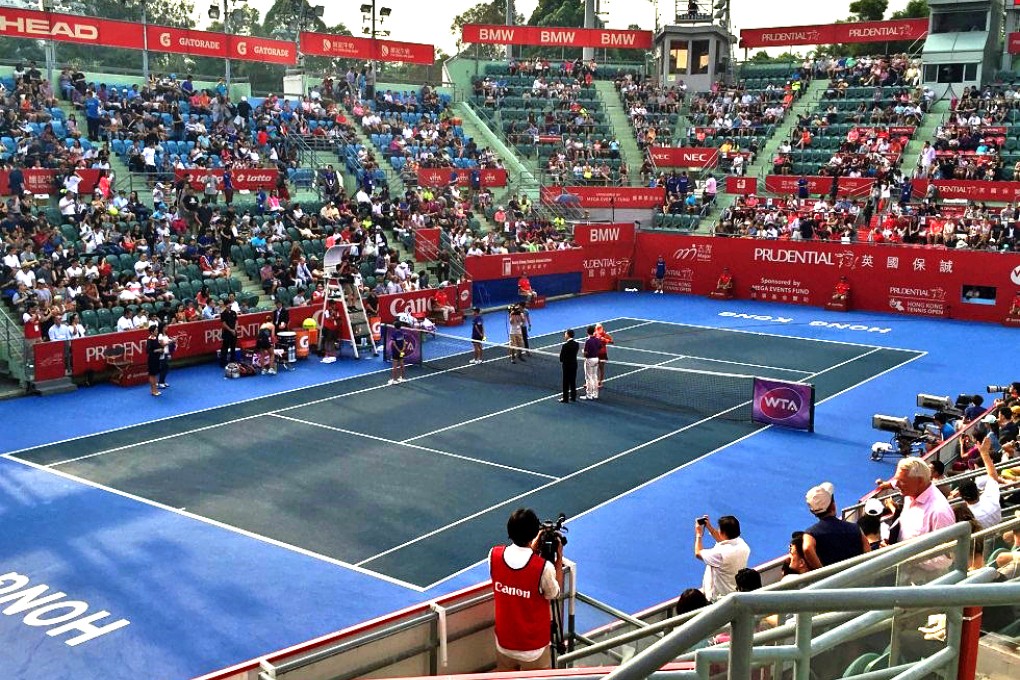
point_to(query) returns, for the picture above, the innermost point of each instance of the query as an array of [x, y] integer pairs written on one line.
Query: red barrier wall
[[906, 280], [601, 266], [605, 197], [556, 36]]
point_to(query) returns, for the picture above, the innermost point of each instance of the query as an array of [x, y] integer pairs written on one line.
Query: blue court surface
[[228, 519]]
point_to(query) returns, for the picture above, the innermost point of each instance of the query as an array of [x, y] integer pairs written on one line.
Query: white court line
[[13, 454], [414, 446], [628, 492], [595, 465], [527, 403], [777, 335], [628, 348], [221, 525]]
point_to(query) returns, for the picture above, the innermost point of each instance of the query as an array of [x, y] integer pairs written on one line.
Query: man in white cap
[[830, 539]]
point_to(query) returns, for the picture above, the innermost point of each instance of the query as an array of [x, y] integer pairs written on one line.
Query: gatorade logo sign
[[242, 48], [164, 39]]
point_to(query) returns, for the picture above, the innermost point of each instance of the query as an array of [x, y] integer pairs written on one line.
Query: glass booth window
[[960, 22], [700, 56], [950, 73], [678, 58]]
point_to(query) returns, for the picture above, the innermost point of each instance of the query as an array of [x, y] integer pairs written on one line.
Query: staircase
[[630, 152], [807, 102], [924, 132], [13, 371]]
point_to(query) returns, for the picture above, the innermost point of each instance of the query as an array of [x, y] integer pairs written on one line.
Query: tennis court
[[413, 481]]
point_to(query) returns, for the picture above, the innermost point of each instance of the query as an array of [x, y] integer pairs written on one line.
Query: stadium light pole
[[368, 16], [50, 50], [215, 14]]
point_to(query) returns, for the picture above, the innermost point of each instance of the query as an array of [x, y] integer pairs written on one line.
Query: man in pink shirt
[[925, 508]]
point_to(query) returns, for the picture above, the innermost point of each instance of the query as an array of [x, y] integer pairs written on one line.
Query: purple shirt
[[591, 347]]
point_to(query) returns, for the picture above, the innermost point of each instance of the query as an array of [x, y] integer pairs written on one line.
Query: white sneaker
[[391, 381], [584, 397], [400, 380]]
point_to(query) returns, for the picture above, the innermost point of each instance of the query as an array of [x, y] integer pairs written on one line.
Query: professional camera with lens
[[996, 389], [513, 309], [550, 535]]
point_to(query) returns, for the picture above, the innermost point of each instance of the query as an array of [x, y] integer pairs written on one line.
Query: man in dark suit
[[281, 317], [568, 357]]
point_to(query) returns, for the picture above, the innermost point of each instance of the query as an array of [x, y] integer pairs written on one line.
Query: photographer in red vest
[[524, 583]]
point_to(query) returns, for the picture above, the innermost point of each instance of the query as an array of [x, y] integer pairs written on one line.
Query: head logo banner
[[786, 404], [858, 32], [26, 23], [348, 47], [551, 36]]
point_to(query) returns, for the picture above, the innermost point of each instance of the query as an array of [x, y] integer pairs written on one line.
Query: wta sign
[[781, 403]]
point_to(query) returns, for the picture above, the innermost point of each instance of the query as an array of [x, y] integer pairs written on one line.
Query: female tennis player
[[607, 340], [398, 348]]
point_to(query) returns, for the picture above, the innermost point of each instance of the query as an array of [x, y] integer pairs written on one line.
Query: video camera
[[908, 436], [944, 405], [551, 535]]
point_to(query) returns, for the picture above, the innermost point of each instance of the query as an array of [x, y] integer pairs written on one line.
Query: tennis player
[[606, 339], [398, 348], [477, 335], [591, 365]]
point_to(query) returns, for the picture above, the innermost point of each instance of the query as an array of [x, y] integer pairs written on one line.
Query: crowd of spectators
[[651, 107]]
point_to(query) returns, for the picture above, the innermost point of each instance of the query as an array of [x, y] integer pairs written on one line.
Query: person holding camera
[[723, 560], [516, 320], [523, 583]]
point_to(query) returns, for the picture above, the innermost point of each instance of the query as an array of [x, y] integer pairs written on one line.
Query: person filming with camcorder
[[527, 576]]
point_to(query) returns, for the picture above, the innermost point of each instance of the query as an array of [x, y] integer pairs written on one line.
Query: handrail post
[[741, 639], [802, 639]]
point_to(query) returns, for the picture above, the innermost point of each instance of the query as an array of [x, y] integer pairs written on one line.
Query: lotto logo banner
[[549, 36], [605, 197], [860, 32], [442, 177], [741, 185], [244, 180], [347, 47], [786, 404], [26, 23], [848, 186], [681, 157], [247, 48]]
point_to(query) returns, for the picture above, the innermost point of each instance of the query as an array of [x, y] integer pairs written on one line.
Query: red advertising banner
[[858, 32], [347, 47], [42, 181], [971, 190], [426, 244], [26, 23], [922, 281], [415, 302], [682, 157], [848, 186], [600, 266], [441, 177], [605, 197], [186, 41], [248, 48], [244, 180], [603, 234], [741, 185], [551, 36], [193, 339], [49, 360]]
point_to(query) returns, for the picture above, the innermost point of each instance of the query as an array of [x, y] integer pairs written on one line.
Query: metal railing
[[14, 351]]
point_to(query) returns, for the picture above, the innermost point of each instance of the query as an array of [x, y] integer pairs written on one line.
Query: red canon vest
[[522, 612]]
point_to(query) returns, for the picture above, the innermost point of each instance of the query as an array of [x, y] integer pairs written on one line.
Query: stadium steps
[[763, 163], [473, 128], [522, 172], [250, 287], [630, 152], [393, 180], [925, 132]]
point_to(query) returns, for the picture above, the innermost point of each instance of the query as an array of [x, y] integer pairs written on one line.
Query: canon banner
[[416, 302], [26, 23], [347, 47], [858, 32], [682, 157], [244, 180], [961, 284], [605, 197], [441, 177], [741, 185], [783, 403], [550, 36], [971, 190], [858, 187]]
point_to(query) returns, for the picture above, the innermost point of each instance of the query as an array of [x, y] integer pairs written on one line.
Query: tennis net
[[662, 385]]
